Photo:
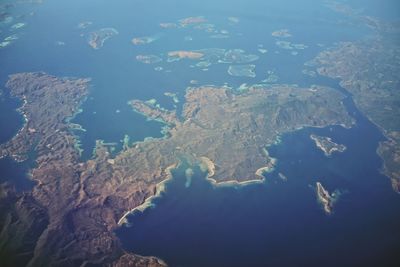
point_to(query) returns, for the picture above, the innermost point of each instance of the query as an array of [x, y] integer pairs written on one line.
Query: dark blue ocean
[[276, 223]]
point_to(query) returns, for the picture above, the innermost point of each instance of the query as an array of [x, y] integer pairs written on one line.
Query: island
[[143, 40], [191, 21], [148, 59], [176, 55], [324, 198], [327, 145], [75, 205], [290, 46], [238, 56], [284, 33], [146, 39], [271, 77], [97, 38], [247, 70]]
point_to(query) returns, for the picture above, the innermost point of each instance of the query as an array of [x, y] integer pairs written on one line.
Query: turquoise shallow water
[[276, 223]]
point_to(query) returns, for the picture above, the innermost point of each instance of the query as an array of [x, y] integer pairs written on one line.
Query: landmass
[[97, 38], [370, 71], [327, 145], [154, 112], [76, 206], [176, 55], [47, 103], [146, 39], [143, 40], [284, 33], [210, 56], [271, 77], [327, 201], [242, 70], [62, 216], [237, 56], [290, 46], [220, 119], [191, 20]]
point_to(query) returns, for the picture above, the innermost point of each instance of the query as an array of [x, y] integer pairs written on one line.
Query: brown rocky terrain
[[69, 217], [370, 71]]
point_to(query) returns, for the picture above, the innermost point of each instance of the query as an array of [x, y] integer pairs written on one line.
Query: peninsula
[[77, 205]]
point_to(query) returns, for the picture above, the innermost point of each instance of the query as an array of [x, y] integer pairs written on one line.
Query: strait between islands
[[69, 216]]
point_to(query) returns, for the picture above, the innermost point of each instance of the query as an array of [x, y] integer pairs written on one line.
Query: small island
[[327, 200], [148, 59], [242, 70], [327, 145], [97, 38], [284, 33], [176, 55], [192, 21], [145, 39], [238, 56]]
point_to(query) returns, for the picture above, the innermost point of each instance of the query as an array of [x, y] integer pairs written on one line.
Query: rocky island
[[325, 198], [327, 145], [78, 205], [97, 38]]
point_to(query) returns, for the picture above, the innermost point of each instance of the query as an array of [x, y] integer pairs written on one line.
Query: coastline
[[148, 202], [208, 166], [205, 165]]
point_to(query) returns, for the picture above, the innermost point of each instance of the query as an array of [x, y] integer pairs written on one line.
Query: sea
[[274, 223]]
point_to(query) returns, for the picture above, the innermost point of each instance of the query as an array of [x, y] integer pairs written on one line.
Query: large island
[[69, 217]]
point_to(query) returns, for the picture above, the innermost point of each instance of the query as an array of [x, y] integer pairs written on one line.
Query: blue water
[[280, 223], [117, 77], [276, 223]]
